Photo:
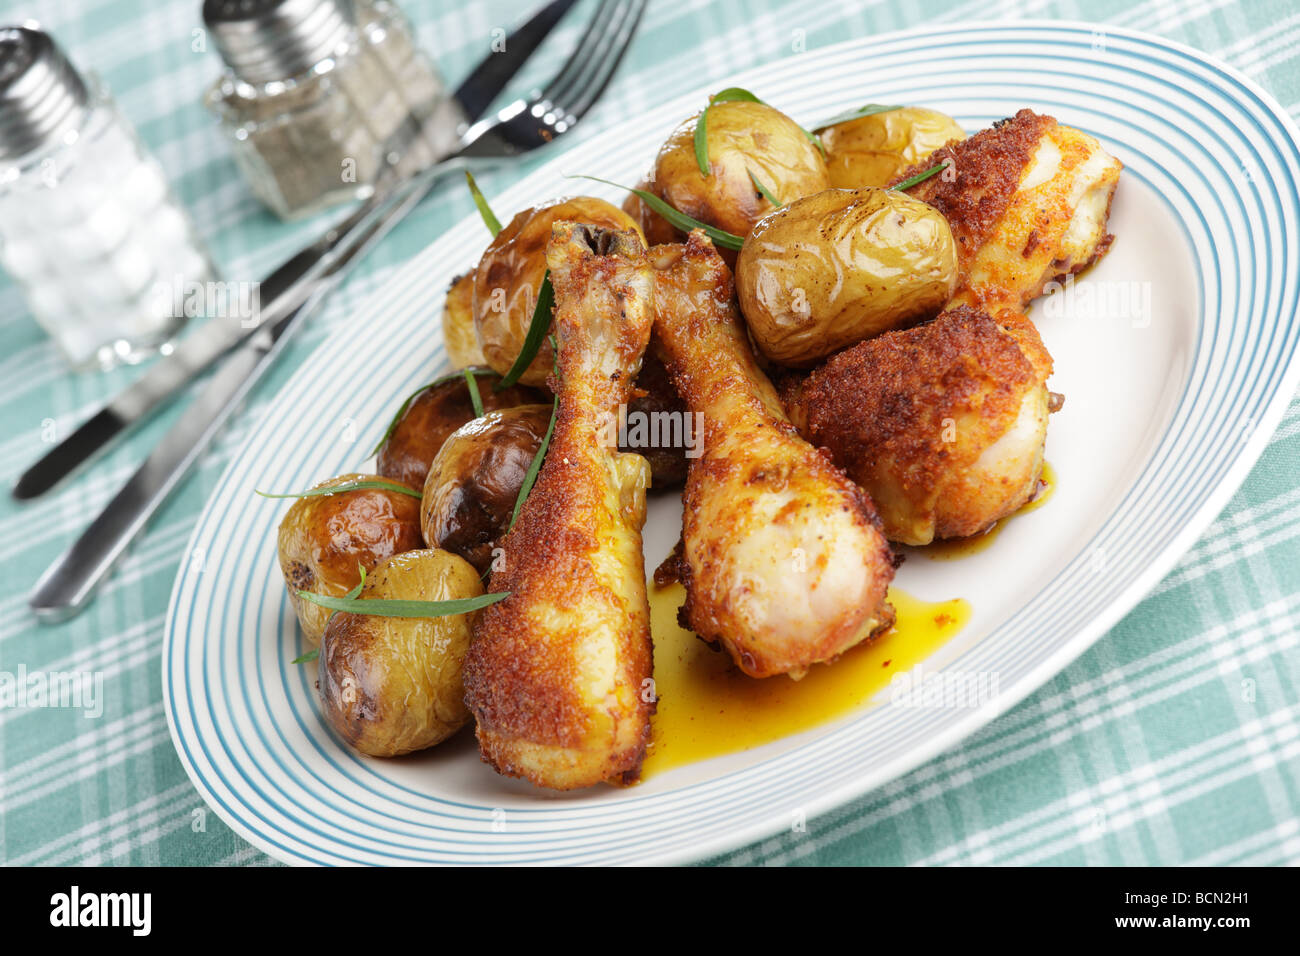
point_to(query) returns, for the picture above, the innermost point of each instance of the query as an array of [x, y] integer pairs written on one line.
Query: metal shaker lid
[[41, 93], [267, 40]]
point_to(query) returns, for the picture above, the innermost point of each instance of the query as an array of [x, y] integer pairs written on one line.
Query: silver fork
[[528, 124], [520, 127]]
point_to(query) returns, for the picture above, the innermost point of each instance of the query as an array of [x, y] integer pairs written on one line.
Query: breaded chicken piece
[[1028, 202], [782, 557], [558, 673], [942, 424]]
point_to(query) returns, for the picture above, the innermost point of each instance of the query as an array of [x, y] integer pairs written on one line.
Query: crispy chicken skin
[[1028, 202], [782, 557], [942, 424], [558, 672]]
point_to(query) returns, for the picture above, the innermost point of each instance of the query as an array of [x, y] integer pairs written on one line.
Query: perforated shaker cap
[[41, 93], [267, 40]]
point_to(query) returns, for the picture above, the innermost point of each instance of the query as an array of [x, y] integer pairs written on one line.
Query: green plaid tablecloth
[[1175, 739]]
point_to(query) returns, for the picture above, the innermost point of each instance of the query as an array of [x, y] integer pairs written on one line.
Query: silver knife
[[291, 284], [68, 583]]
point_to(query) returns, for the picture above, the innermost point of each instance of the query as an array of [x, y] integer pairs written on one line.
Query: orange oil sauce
[[952, 549], [708, 707]]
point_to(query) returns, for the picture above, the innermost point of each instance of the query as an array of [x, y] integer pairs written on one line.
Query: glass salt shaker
[[89, 229], [311, 92]]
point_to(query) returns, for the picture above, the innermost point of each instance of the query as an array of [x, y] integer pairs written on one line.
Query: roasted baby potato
[[436, 412], [510, 273], [942, 424], [458, 324], [324, 540], [392, 685], [841, 266], [747, 142], [872, 150], [474, 482]]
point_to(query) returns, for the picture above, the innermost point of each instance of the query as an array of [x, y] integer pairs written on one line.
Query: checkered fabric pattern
[[1175, 739]]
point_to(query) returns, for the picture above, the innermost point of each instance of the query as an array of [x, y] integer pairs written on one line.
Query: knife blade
[[287, 288], [70, 582]]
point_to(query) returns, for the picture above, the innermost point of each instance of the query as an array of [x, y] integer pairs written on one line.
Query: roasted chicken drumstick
[[782, 557], [558, 675]]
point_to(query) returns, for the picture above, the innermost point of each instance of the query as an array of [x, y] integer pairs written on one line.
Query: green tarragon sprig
[[366, 484]]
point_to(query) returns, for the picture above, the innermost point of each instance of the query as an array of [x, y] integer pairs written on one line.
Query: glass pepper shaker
[[88, 226], [312, 90]]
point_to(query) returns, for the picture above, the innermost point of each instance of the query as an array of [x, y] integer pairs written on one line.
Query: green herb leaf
[[484, 210], [346, 486], [475, 399], [356, 591], [682, 221], [315, 651], [731, 94], [383, 607], [920, 177], [530, 477], [764, 191], [702, 144], [815, 140], [406, 403], [869, 110], [537, 329]]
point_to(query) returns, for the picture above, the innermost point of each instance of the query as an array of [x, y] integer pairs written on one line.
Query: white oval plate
[[1176, 355]]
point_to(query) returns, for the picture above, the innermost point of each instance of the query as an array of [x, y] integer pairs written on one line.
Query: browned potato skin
[[474, 482], [392, 685], [514, 263], [841, 266], [744, 138], [458, 324], [431, 418], [323, 539], [873, 150]]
